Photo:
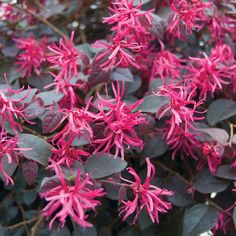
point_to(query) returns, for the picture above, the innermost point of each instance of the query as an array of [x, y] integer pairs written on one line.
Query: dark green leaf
[[181, 197], [50, 97], [153, 103], [104, 165], [154, 147], [199, 219], [40, 148], [206, 183], [219, 135], [226, 172], [85, 231], [220, 110], [122, 74], [8, 167], [234, 217]]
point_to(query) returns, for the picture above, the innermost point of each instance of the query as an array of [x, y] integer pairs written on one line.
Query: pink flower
[[221, 25], [124, 14], [65, 57], [208, 74], [118, 53], [8, 148], [213, 153], [12, 109], [32, 55], [65, 154], [166, 65], [146, 196], [182, 140], [117, 123], [181, 109], [77, 125], [187, 17], [74, 200]]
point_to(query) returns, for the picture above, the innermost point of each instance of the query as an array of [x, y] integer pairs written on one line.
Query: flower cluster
[[146, 196], [117, 123], [32, 55], [187, 16], [74, 200], [160, 86]]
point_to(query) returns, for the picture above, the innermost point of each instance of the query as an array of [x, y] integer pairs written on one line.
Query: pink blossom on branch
[[78, 124], [71, 199], [124, 14], [213, 152], [32, 55], [117, 124], [8, 146], [187, 16], [209, 73], [12, 109], [166, 65], [64, 57], [146, 196], [182, 109], [118, 53]]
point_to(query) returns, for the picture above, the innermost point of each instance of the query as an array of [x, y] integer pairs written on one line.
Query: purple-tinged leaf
[[153, 103], [217, 134], [51, 121], [50, 97], [49, 183], [40, 149], [226, 172], [30, 171], [34, 109], [220, 110], [98, 75], [199, 219], [8, 167], [206, 183], [181, 198], [122, 74], [100, 166]]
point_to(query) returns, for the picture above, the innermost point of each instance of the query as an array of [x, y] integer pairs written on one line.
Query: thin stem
[[22, 223], [113, 183], [173, 172], [190, 183], [34, 229], [43, 20]]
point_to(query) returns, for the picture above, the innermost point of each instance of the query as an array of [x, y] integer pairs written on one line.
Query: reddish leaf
[[51, 121], [49, 183], [30, 171]]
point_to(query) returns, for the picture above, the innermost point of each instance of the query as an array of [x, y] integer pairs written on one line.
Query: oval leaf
[[220, 110], [50, 97], [219, 135], [226, 172], [206, 183], [122, 74], [104, 165], [199, 219], [51, 121], [153, 103], [8, 167], [30, 171], [40, 149]]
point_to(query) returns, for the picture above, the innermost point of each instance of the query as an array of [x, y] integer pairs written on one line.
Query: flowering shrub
[[118, 117]]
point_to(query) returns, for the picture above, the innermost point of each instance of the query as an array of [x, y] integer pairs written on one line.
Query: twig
[[34, 229], [21, 223], [43, 20], [173, 172], [23, 217], [190, 183]]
